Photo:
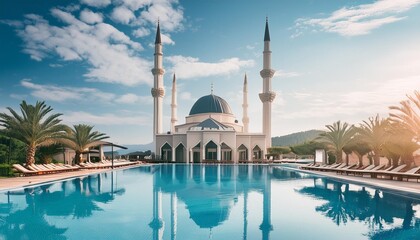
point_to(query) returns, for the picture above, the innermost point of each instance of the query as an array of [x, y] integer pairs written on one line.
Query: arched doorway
[[243, 153], [166, 152], [226, 152], [257, 153], [180, 153], [211, 151], [196, 153]]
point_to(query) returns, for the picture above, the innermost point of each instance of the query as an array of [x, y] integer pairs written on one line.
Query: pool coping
[[381, 184], [66, 178]]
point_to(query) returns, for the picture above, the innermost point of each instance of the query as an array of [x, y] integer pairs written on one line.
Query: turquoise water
[[206, 202]]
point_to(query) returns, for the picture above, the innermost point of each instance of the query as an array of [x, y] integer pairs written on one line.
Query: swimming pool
[[206, 202]]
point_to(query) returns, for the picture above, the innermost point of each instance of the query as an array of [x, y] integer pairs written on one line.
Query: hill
[[135, 148], [295, 138]]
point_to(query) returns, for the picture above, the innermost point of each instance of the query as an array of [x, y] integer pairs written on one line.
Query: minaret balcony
[[158, 92], [158, 71], [267, 73], [267, 97]]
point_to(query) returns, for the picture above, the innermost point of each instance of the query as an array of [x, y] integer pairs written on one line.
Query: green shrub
[[6, 170]]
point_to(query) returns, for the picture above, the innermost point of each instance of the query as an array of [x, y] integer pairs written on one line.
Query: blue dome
[[210, 104]]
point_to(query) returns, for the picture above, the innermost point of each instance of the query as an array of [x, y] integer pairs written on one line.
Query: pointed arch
[[180, 153], [196, 153], [243, 153], [256, 153], [211, 150], [166, 152], [226, 152]]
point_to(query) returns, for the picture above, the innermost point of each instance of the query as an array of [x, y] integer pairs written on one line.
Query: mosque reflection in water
[[208, 193]]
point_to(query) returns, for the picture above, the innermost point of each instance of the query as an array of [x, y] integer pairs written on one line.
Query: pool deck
[[402, 187], [18, 182]]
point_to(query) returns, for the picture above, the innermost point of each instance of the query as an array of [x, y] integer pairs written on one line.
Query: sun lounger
[[386, 172], [24, 171], [362, 171], [412, 173]]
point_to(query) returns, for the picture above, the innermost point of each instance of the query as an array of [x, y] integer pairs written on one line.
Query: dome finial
[[212, 88]]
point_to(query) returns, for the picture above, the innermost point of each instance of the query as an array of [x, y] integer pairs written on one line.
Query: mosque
[[211, 131]]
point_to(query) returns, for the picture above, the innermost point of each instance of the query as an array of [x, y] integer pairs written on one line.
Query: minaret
[[173, 106], [267, 96], [245, 118], [157, 91]]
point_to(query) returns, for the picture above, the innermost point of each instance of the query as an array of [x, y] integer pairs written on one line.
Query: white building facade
[[211, 131]]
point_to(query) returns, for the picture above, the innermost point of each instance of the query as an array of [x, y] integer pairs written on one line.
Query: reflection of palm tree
[[376, 211], [30, 223], [335, 209]]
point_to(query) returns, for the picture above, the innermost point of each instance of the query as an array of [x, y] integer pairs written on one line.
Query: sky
[[91, 60]]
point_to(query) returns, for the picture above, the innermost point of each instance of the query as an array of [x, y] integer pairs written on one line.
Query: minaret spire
[[267, 32], [245, 118], [267, 96], [158, 38], [157, 91], [173, 105]]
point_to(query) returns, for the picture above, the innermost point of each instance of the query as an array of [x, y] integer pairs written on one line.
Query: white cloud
[[12, 23], [141, 32], [61, 94], [96, 3], [135, 4], [55, 65], [90, 17], [185, 96], [284, 74], [111, 55], [170, 18], [166, 39], [131, 98], [189, 67], [375, 100], [358, 20], [104, 119], [122, 15]]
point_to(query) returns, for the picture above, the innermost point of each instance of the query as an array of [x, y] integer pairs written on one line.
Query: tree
[[338, 137], [35, 127], [307, 148], [45, 153], [375, 133], [81, 138], [360, 148], [400, 145], [408, 115], [279, 150]]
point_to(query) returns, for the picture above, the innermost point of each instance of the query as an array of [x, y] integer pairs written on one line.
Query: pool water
[[206, 202]]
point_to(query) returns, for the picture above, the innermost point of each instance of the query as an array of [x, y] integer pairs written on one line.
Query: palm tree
[[375, 133], [338, 137], [401, 145], [360, 148], [81, 138], [408, 115], [35, 127]]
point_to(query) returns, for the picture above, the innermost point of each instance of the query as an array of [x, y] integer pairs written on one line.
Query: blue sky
[[91, 59]]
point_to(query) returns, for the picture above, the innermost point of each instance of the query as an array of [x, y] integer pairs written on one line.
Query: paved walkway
[[402, 187], [17, 182]]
